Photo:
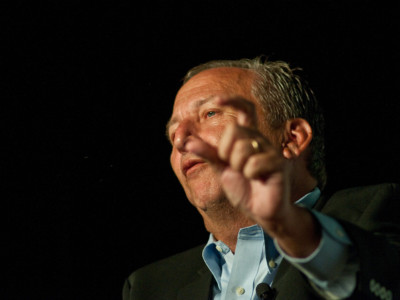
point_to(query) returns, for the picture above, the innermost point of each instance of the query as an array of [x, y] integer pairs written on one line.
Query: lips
[[190, 164]]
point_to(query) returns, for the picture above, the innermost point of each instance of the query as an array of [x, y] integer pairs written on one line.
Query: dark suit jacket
[[370, 216]]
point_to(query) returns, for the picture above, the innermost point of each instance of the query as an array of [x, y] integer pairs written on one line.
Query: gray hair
[[283, 95]]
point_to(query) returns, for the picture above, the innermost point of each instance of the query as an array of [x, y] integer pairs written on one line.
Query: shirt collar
[[309, 200], [214, 258]]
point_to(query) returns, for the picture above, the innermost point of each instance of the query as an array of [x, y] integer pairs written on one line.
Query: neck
[[224, 222], [301, 185]]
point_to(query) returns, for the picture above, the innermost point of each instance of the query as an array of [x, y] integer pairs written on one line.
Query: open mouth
[[191, 165]]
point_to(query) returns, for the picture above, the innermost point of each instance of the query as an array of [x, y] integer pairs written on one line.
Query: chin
[[206, 203], [203, 189], [206, 198]]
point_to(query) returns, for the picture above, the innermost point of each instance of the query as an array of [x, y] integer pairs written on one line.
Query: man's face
[[197, 116]]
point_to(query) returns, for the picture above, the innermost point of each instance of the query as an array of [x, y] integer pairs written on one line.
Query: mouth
[[190, 165]]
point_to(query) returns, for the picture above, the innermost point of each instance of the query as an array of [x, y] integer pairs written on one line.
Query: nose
[[183, 133]]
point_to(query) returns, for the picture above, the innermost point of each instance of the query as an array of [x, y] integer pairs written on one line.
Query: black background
[[89, 194]]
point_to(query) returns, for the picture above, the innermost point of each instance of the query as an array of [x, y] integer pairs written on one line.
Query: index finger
[[247, 116]]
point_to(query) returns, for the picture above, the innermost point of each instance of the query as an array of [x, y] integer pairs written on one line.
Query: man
[[247, 147]]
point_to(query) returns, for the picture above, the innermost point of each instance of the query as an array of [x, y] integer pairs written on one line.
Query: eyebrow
[[196, 105]]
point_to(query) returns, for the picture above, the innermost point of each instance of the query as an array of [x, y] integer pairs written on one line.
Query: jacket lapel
[[291, 284], [199, 288]]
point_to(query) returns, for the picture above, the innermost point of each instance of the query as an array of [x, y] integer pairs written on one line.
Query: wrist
[[298, 234]]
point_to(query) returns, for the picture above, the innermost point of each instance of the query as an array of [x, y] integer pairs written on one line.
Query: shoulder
[[365, 205], [172, 273], [179, 263], [378, 191], [370, 216]]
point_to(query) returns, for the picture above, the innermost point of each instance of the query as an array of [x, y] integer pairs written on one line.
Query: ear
[[297, 137]]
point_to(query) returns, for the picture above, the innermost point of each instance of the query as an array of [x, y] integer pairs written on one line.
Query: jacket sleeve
[[371, 218]]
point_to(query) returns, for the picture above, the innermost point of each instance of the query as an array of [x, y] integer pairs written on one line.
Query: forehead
[[206, 85], [216, 81]]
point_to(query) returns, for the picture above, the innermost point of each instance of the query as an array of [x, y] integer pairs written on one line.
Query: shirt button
[[240, 291], [272, 263], [218, 248]]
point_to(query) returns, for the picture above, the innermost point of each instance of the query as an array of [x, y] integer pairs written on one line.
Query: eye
[[210, 114]]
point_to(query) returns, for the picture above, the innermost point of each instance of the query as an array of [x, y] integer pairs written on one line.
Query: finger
[[242, 150], [263, 165], [232, 134], [247, 115], [227, 141], [238, 143]]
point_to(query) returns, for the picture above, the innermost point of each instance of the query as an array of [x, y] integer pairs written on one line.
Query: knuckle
[[252, 167], [242, 146]]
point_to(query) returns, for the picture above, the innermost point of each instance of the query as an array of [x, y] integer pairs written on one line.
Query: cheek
[[174, 161], [212, 134]]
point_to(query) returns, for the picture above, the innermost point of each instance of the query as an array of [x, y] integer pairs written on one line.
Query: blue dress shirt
[[257, 258]]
